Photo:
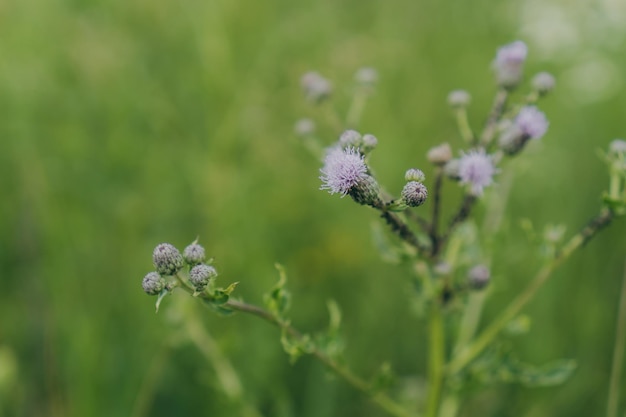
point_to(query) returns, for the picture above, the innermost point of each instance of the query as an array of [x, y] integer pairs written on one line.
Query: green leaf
[[296, 347], [162, 295], [278, 299], [500, 365]]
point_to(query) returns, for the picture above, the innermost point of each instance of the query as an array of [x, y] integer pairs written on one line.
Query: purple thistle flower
[[532, 122], [343, 170], [509, 63], [476, 168]]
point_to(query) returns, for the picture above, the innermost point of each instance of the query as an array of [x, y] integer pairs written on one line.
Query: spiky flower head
[[194, 254], [414, 194], [316, 87], [459, 98], [478, 277], [440, 154], [345, 172], [200, 275], [476, 169], [509, 64], [153, 283], [414, 174], [167, 259], [543, 83], [530, 123]]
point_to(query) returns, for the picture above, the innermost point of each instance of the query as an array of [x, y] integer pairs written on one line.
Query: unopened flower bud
[[200, 275], [153, 283], [315, 86], [452, 169], [478, 277], [350, 139], [442, 268], [369, 142], [414, 174], [304, 127], [366, 76], [194, 254], [543, 83], [167, 259], [414, 194], [618, 146], [509, 64], [459, 98], [439, 155]]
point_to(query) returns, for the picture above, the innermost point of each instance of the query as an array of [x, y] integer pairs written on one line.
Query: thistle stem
[[618, 354], [471, 351], [436, 360], [497, 109]]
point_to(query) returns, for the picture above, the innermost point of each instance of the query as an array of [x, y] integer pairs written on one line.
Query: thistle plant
[[449, 255]]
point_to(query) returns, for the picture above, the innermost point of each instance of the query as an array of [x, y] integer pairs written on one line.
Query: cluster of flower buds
[[530, 123], [168, 262]]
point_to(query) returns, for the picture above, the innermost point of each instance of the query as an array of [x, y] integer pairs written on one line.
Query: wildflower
[[200, 275], [530, 123], [366, 76], [315, 86], [167, 259], [304, 127], [414, 194], [459, 98], [543, 83], [194, 254], [478, 277], [440, 155], [509, 63], [476, 169], [345, 172], [152, 283], [414, 174]]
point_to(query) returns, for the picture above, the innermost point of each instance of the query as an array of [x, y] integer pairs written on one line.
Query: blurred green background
[[127, 123]]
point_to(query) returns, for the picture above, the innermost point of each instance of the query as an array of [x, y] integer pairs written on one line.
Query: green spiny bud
[[200, 275], [167, 259], [153, 283]]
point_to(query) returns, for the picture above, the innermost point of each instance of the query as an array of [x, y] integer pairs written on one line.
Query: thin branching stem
[[472, 350], [618, 354], [497, 109]]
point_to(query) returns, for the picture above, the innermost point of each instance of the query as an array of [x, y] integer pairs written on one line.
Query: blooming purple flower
[[531, 122], [343, 170], [476, 168], [509, 63]]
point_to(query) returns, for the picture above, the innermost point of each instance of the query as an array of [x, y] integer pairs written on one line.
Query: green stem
[[618, 354], [379, 398], [464, 127], [494, 116], [468, 353], [436, 360], [356, 107]]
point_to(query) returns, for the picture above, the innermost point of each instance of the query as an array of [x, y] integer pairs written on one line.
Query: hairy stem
[[462, 214], [471, 351], [400, 228], [434, 227], [464, 127]]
